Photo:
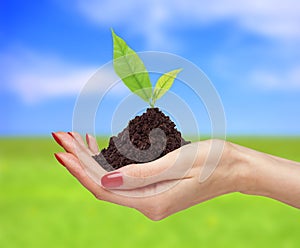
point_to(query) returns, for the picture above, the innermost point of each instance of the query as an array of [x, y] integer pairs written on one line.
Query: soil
[[146, 138]]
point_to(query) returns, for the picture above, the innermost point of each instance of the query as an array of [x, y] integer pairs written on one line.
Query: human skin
[[158, 189]]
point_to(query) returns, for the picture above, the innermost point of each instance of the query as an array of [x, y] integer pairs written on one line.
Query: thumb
[[137, 175], [169, 167], [133, 176]]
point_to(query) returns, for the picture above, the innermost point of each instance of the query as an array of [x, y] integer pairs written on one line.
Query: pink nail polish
[[56, 139], [112, 180]]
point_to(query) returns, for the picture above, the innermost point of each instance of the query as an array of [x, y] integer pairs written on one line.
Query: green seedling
[[131, 69]]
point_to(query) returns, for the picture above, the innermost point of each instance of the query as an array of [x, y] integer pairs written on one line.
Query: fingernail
[[112, 180], [56, 139], [87, 137], [59, 159], [70, 134]]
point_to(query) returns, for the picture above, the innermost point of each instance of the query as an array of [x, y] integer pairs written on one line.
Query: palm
[[154, 188]]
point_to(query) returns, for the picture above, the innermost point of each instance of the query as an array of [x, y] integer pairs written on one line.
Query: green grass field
[[41, 205]]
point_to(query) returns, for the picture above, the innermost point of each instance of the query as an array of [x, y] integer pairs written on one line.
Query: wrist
[[232, 173], [246, 164]]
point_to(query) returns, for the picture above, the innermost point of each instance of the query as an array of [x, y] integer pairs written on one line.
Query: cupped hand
[[158, 188]]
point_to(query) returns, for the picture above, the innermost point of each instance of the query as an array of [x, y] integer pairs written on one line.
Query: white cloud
[[35, 77], [288, 80], [145, 17], [152, 18]]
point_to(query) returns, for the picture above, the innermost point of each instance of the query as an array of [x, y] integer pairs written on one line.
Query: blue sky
[[248, 49]]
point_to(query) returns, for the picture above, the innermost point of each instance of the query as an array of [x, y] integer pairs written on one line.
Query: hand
[[175, 182], [157, 189]]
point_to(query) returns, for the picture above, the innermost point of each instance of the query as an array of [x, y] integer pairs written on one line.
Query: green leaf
[[163, 84], [131, 69]]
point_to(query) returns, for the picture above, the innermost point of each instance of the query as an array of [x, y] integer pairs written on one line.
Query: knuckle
[[98, 196], [156, 218], [77, 171], [137, 176], [155, 212], [135, 171]]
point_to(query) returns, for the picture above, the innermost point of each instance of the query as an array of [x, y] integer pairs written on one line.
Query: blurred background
[[249, 50], [48, 51]]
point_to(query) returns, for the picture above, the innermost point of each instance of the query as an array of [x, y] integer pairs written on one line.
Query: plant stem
[[151, 103]]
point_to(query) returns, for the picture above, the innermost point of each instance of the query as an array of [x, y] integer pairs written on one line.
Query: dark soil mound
[[146, 138]]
